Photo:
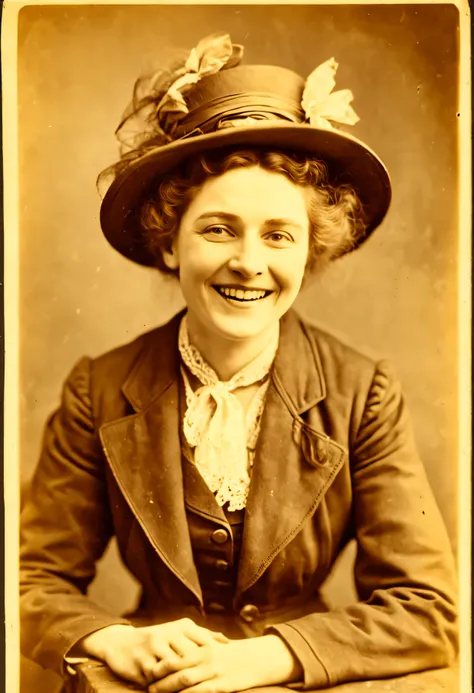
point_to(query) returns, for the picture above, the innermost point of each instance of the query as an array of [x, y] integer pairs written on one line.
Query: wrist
[[290, 665], [97, 644], [276, 661]]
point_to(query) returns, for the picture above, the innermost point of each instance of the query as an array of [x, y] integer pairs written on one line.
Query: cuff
[[314, 673], [70, 662]]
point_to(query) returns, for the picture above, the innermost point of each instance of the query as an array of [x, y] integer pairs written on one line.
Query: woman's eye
[[278, 237], [217, 231]]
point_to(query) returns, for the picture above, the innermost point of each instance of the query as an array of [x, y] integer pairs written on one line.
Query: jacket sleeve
[[65, 528], [404, 574]]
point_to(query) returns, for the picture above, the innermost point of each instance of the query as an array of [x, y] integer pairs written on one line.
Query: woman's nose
[[248, 260]]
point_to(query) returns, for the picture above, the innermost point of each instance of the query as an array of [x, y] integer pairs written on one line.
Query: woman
[[236, 450]]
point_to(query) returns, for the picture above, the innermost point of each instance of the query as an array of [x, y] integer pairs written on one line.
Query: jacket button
[[222, 583], [221, 564], [220, 536], [215, 606], [249, 613]]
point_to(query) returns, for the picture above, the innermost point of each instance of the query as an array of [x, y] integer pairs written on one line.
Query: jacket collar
[[144, 452], [158, 365], [297, 366]]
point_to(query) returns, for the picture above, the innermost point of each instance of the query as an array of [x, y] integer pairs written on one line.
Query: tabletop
[[94, 677]]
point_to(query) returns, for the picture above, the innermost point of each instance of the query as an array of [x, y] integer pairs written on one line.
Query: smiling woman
[[234, 451], [247, 255]]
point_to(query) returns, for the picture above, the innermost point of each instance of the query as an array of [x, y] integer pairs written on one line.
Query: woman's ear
[[171, 258]]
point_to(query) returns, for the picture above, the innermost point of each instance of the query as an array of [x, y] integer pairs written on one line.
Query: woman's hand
[[132, 653], [223, 668]]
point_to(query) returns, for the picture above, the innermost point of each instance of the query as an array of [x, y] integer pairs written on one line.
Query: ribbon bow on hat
[[149, 114], [213, 53], [321, 104]]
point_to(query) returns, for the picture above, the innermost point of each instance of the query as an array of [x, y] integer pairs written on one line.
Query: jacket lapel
[[293, 467], [294, 463], [144, 453]]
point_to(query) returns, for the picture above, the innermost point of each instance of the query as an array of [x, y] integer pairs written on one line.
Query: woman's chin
[[234, 321], [242, 328]]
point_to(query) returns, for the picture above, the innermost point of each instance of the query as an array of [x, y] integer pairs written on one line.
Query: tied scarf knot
[[213, 410]]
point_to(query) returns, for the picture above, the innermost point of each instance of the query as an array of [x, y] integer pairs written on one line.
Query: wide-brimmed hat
[[215, 103]]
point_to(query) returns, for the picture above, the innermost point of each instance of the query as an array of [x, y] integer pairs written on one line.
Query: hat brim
[[349, 161]]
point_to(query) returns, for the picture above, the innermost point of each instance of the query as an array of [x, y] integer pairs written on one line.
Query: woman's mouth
[[242, 295]]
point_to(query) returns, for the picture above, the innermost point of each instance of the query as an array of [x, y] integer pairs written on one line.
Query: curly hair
[[336, 216]]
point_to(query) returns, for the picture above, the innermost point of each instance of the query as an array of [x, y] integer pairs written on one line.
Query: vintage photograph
[[239, 251]]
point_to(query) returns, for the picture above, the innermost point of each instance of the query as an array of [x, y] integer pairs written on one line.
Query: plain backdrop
[[394, 298]]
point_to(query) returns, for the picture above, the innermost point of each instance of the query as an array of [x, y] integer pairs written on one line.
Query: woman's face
[[241, 251]]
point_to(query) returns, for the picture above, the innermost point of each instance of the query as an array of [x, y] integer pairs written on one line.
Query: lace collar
[[215, 425]]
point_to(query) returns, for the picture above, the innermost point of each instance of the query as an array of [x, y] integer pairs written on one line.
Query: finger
[[148, 664], [182, 645], [203, 636], [182, 680], [220, 637], [128, 668], [175, 663], [132, 672], [209, 686], [161, 650]]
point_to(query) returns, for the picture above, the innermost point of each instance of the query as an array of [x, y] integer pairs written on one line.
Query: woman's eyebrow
[[228, 216], [283, 222], [222, 215]]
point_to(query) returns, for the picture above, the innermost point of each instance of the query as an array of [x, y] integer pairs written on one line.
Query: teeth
[[241, 294]]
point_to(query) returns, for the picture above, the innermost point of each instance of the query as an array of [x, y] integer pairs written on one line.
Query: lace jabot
[[222, 434]]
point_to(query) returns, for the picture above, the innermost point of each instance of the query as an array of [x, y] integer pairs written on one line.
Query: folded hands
[[183, 657]]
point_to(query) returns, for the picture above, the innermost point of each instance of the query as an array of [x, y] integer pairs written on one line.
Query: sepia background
[[394, 298]]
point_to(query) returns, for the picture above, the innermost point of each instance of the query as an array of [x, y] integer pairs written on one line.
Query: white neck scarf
[[215, 424]]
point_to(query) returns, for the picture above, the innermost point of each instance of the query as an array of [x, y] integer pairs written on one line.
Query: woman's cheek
[[290, 272], [207, 258]]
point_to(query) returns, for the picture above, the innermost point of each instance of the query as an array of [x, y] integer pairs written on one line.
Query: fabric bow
[[215, 424], [212, 54], [321, 104], [153, 116]]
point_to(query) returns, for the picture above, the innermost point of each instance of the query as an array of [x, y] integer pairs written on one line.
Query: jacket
[[335, 460]]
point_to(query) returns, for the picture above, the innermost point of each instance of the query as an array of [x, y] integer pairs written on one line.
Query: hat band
[[258, 105]]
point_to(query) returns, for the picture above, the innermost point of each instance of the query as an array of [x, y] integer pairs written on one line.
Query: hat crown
[[247, 79], [255, 92]]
